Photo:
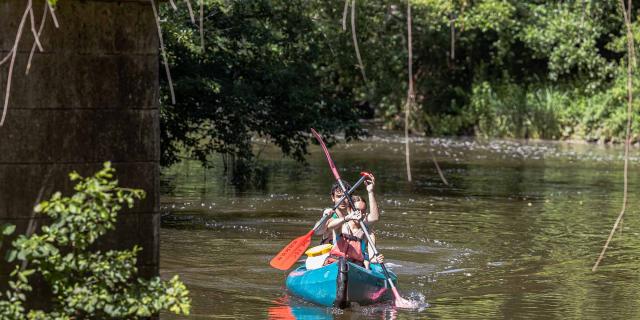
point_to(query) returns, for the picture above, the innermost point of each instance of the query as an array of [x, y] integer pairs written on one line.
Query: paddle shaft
[[376, 253]]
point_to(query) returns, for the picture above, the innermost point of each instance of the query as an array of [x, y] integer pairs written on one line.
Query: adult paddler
[[329, 236], [344, 225]]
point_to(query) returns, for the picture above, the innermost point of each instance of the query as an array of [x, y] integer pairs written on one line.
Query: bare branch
[[411, 100], [355, 41], [33, 47], [173, 5], [36, 35], [193, 19], [452, 26], [410, 93], [13, 61], [53, 15], [163, 51], [344, 15], [584, 9], [6, 58], [630, 66], [201, 24]]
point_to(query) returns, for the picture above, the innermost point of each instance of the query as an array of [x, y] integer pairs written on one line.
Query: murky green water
[[514, 236]]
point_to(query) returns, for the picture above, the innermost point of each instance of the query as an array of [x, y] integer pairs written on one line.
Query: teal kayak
[[340, 284]]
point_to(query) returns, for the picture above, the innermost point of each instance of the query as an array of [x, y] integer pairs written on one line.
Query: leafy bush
[[85, 284], [507, 109]]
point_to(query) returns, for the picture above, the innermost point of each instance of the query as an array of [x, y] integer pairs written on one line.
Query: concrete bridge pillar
[[91, 96]]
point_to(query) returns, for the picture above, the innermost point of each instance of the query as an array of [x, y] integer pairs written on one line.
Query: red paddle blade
[[290, 254], [326, 154]]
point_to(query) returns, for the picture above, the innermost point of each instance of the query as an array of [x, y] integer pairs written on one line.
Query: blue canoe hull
[[339, 285]]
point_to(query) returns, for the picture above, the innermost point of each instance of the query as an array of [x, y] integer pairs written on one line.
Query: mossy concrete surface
[[91, 96]]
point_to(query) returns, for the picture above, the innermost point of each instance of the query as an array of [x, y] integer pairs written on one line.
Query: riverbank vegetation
[[82, 282], [492, 68]]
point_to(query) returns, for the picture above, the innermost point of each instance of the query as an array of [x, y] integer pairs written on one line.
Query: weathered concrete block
[[86, 27], [84, 81], [79, 136], [142, 230], [91, 96], [29, 184]]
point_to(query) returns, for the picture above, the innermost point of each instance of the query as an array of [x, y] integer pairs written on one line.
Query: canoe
[[340, 284]]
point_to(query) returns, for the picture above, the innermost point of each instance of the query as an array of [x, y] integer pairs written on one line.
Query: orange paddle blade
[[280, 313], [290, 254]]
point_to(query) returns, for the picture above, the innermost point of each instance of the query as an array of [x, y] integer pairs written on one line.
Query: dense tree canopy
[[261, 73], [495, 68]]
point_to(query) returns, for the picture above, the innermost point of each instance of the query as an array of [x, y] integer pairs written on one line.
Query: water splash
[[417, 301]]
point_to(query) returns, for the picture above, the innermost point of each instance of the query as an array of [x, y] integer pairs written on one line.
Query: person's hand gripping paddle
[[400, 302], [288, 256]]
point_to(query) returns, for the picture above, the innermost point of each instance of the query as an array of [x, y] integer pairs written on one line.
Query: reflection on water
[[286, 308], [514, 236]]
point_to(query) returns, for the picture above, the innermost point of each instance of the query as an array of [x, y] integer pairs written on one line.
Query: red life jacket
[[349, 247]]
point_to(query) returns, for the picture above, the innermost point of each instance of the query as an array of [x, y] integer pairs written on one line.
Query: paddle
[[290, 254], [399, 301]]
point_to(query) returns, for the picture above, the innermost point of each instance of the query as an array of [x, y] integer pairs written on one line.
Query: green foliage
[[510, 110], [527, 69], [552, 111], [497, 68], [262, 74], [561, 34], [86, 284], [6, 230]]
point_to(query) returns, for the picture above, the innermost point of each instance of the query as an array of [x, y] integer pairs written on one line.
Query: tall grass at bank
[[543, 111]]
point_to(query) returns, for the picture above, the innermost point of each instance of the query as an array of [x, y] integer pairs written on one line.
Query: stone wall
[[91, 96]]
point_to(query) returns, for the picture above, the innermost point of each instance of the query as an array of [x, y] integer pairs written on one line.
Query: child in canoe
[[369, 257], [349, 239]]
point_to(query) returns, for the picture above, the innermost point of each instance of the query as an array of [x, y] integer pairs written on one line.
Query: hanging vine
[[49, 10], [411, 96], [12, 54], [631, 63]]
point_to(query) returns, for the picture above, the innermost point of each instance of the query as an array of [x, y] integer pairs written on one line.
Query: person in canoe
[[370, 260], [329, 236], [349, 240]]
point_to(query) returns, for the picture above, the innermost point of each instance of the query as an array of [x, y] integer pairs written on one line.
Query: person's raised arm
[[374, 214]]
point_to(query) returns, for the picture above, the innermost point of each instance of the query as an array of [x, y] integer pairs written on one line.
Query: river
[[514, 235]]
